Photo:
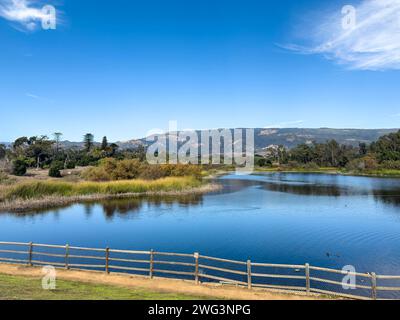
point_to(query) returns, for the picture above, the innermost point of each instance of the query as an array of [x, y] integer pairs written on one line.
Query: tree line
[[384, 153], [41, 152]]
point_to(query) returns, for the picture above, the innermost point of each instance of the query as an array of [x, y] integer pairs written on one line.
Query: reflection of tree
[[308, 189], [387, 196], [88, 209], [123, 207], [234, 185], [36, 212], [129, 206], [299, 188], [391, 197]]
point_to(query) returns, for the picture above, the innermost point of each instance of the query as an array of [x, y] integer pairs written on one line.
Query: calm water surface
[[324, 220]]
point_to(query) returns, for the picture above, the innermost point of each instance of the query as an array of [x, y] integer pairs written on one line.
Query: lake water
[[325, 220]]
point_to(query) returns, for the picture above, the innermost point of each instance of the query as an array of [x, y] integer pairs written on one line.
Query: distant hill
[[292, 137], [288, 137]]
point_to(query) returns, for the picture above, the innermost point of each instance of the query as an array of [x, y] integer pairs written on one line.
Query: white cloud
[[26, 13], [373, 44]]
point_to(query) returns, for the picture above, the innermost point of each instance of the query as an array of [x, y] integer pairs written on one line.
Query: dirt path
[[157, 284]]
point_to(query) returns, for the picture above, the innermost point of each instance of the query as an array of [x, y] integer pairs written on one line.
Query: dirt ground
[[158, 284], [72, 175]]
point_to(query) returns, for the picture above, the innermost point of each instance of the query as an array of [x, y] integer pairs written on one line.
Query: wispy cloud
[[373, 43], [284, 124], [27, 14], [36, 97], [33, 96]]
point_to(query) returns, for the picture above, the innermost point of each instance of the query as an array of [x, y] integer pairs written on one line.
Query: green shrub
[[390, 164], [111, 169], [262, 162], [365, 163], [311, 166], [293, 164], [3, 176], [55, 169], [126, 170], [87, 160], [70, 164], [19, 167], [154, 172], [96, 174]]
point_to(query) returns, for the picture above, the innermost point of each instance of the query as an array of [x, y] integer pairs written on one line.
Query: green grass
[[299, 169], [38, 189], [383, 172], [24, 288]]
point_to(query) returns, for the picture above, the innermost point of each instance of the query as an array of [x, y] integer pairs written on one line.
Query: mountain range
[[291, 137], [288, 137]]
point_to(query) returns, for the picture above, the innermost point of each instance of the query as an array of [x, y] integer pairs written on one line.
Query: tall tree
[[57, 138], [387, 148], [363, 149], [333, 152], [104, 143], [113, 149], [88, 140], [3, 151], [40, 149], [20, 142]]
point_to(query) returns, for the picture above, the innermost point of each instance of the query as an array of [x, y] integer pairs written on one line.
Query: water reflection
[[389, 197], [121, 207], [386, 191], [129, 207]]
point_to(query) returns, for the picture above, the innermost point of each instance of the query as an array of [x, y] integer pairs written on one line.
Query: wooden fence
[[196, 267]]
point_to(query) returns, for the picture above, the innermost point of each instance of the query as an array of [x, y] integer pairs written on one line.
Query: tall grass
[[38, 189]]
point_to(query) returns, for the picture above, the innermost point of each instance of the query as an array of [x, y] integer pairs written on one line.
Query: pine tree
[[104, 143], [88, 140]]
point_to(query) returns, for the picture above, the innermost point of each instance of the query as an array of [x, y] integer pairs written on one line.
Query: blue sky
[[122, 68]]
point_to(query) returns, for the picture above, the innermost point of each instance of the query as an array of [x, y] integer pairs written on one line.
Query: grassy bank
[[32, 195], [37, 189], [27, 288]]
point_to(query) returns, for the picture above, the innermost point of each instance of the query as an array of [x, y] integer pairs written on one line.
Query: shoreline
[[49, 202], [329, 171]]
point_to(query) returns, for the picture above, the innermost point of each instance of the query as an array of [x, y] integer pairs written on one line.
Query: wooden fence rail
[[194, 267]]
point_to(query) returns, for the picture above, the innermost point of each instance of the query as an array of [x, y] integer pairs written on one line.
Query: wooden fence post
[[308, 282], [196, 268], [249, 285], [107, 259], [66, 256], [30, 254], [151, 264], [373, 286]]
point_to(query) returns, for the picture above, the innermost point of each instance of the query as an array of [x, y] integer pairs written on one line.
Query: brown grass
[[47, 202]]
